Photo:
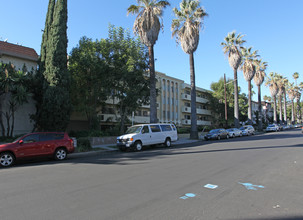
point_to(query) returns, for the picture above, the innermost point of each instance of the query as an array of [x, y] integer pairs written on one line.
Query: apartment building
[[267, 110], [173, 105], [20, 57]]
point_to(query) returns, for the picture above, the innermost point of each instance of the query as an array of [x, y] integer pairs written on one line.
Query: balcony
[[199, 122], [186, 109], [201, 100], [185, 97], [203, 112]]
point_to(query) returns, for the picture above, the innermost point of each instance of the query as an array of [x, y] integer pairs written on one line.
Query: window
[[31, 138], [145, 113], [155, 128], [145, 130], [187, 117], [48, 137], [165, 127], [138, 113], [187, 104], [174, 127]]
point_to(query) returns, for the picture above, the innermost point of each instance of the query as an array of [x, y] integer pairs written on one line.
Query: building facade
[[20, 57], [173, 105], [267, 110]]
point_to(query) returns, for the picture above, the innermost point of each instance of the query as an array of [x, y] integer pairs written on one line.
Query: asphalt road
[[256, 178]]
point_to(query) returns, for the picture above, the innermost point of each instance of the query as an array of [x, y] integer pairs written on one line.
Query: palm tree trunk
[[285, 115], [292, 112], [153, 93], [249, 103], [236, 101], [193, 130], [280, 109], [275, 109], [260, 125]]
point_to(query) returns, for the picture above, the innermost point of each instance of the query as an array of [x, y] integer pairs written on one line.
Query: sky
[[273, 27]]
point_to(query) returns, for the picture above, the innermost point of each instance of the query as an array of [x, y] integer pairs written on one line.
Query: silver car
[[249, 129], [234, 132]]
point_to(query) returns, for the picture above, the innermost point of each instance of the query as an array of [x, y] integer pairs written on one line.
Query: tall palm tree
[[147, 25], [249, 68], [231, 47], [271, 81], [186, 27], [297, 96], [295, 76], [291, 96], [259, 79], [285, 82], [280, 84]]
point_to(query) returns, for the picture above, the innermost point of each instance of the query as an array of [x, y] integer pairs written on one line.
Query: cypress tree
[[55, 109]]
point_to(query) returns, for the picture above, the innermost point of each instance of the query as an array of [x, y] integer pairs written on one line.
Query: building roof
[[18, 51]]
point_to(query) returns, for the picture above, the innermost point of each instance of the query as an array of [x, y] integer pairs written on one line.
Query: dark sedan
[[216, 134]]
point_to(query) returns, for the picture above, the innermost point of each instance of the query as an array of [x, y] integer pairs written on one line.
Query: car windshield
[[271, 125], [134, 129], [242, 128], [214, 131], [230, 129]]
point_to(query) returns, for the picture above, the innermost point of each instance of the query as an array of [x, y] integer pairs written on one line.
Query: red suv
[[56, 144]]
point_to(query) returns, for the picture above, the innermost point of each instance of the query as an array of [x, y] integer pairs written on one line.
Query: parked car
[[272, 127], [216, 134], [147, 134], [55, 144], [234, 132], [249, 130]]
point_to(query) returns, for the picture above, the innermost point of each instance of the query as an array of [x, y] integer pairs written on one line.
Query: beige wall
[[18, 63]]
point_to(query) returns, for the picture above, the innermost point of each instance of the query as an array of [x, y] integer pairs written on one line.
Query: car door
[[146, 135], [28, 146], [47, 143], [156, 136]]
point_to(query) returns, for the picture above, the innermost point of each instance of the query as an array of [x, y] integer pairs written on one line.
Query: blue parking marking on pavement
[[191, 195], [188, 195], [251, 186], [211, 186]]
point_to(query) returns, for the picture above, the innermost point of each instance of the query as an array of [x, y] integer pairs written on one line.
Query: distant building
[[20, 57], [173, 106], [267, 110]]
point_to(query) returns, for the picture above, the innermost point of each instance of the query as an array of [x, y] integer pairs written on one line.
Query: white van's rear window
[[155, 128], [165, 127]]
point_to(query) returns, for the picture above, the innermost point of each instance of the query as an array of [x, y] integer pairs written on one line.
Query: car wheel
[[138, 146], [218, 137], [7, 159], [167, 142], [60, 154]]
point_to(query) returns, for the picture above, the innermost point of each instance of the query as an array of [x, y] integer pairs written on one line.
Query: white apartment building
[[173, 105]]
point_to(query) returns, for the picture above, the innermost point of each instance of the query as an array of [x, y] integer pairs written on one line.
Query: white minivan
[[147, 134]]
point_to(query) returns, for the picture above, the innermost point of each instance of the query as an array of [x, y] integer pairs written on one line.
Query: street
[[248, 178]]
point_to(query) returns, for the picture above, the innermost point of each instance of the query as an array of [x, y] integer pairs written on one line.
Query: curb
[[104, 152]]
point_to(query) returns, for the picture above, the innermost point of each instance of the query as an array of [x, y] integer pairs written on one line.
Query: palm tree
[[297, 96], [280, 84], [295, 76], [271, 81], [285, 82], [147, 25], [291, 96], [186, 27], [249, 68], [259, 79], [231, 47]]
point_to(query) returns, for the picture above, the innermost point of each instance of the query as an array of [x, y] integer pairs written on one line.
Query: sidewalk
[[111, 147]]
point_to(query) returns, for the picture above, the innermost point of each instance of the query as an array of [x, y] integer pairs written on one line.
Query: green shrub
[[83, 145]]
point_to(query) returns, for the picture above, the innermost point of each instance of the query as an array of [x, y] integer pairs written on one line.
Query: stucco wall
[[22, 123], [18, 63]]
